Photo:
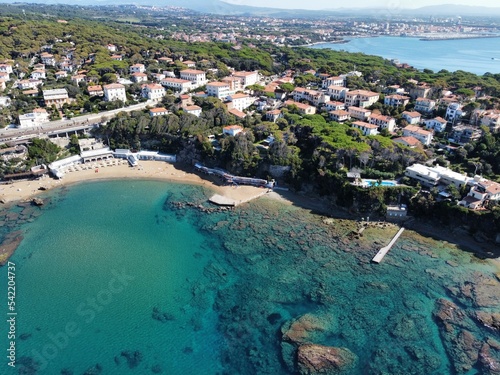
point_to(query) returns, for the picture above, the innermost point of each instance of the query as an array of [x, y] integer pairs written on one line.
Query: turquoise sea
[[472, 55], [125, 277]]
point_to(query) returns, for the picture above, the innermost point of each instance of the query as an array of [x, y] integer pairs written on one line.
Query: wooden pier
[[383, 251]]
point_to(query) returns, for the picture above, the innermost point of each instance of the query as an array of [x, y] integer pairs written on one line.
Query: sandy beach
[[152, 170], [158, 170]]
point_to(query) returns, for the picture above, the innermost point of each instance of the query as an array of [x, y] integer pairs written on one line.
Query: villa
[[483, 191]]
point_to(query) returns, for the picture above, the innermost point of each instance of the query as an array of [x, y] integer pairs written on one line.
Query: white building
[[193, 109], [220, 90], [305, 109], [96, 155], [95, 90], [57, 97], [396, 100], [114, 91], [359, 113], [27, 84], [422, 174], [437, 124], [155, 155], [38, 74], [153, 91], [59, 167], [482, 191], [48, 59], [247, 78], [61, 74], [332, 81], [366, 128], [312, 96], [176, 84], [454, 112], [337, 92], [334, 106], [361, 98], [138, 77], [424, 105], [432, 176], [137, 68], [6, 68], [422, 135], [38, 117], [339, 115], [197, 77], [153, 112], [491, 119], [232, 130], [383, 122], [412, 118], [240, 101]]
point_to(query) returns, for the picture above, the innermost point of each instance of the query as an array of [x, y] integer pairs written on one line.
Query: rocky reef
[[468, 347], [302, 353]]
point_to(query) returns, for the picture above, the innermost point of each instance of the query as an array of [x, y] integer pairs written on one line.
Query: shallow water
[[123, 277]]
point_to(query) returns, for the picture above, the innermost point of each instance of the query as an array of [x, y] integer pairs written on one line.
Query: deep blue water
[[116, 278], [472, 55]]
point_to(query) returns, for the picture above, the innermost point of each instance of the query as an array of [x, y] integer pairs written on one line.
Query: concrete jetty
[[381, 254], [219, 200]]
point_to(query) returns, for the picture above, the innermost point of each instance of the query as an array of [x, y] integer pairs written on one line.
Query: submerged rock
[[133, 358], [37, 201], [318, 359], [489, 320], [490, 364], [9, 245], [307, 328], [94, 370], [455, 327], [486, 292], [161, 316]]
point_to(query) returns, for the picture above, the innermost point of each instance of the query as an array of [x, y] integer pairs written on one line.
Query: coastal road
[[76, 123]]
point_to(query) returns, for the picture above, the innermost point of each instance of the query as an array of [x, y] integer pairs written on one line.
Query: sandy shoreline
[[147, 170], [157, 170]]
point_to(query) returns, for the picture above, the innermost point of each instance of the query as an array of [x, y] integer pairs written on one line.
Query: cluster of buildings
[[100, 154], [481, 190]]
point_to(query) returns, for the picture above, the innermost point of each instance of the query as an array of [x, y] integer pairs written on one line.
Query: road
[[76, 123]]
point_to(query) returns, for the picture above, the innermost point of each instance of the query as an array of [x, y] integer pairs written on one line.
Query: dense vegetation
[[317, 151]]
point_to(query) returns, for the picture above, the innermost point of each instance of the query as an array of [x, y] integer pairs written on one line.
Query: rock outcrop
[[318, 359], [489, 320], [461, 345], [302, 352]]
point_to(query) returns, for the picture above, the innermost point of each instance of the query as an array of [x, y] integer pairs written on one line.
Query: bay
[[477, 56], [126, 277]]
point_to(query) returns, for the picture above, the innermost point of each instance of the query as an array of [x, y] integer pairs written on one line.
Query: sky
[[328, 4]]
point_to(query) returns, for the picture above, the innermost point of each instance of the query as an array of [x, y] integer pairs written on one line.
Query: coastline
[[24, 191], [419, 37], [149, 170]]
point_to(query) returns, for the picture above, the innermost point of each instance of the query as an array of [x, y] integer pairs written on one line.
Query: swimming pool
[[369, 183]]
